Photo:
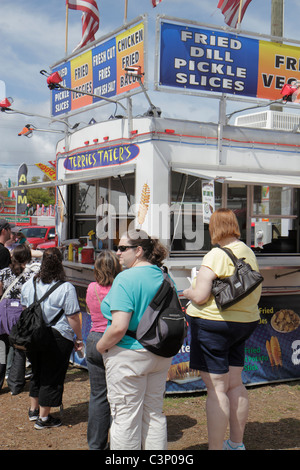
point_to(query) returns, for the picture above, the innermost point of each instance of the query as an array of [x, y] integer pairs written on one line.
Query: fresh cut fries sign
[[100, 71]]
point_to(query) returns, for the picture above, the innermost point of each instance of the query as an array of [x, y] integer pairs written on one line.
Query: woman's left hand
[[115, 332], [187, 293], [202, 291], [78, 345], [100, 348]]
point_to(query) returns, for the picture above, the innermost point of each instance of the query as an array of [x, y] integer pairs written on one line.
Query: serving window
[[275, 219], [101, 206], [268, 216], [188, 231]]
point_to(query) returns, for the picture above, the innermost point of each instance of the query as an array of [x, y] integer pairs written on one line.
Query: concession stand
[[168, 175]]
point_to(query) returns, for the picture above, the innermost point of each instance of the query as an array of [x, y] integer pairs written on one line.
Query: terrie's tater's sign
[[103, 157]]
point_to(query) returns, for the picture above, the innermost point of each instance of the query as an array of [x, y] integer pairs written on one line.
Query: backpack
[[163, 326], [31, 331]]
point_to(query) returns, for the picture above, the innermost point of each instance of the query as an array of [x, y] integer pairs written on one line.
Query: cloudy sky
[[32, 34]]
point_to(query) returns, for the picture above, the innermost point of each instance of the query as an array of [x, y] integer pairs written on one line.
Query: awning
[[223, 176], [97, 174], [81, 176]]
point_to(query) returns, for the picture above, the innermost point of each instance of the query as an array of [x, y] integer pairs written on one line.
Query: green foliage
[[41, 196]]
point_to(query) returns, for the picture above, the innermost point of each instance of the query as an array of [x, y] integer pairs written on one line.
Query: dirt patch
[[274, 420]]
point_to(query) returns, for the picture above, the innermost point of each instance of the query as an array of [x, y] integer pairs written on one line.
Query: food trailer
[[167, 176]]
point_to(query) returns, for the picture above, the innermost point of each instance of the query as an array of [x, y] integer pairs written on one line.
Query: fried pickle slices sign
[[202, 59]]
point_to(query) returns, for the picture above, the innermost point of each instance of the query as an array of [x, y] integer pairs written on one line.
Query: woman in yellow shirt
[[218, 337]]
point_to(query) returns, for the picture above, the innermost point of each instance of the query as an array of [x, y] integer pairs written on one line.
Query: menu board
[[100, 71], [272, 353]]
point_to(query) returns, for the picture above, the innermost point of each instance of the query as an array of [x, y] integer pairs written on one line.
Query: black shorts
[[216, 345]]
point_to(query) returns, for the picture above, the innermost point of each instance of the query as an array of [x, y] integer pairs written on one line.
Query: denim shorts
[[216, 345]]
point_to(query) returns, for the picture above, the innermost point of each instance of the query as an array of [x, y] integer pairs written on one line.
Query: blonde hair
[[106, 267], [223, 223]]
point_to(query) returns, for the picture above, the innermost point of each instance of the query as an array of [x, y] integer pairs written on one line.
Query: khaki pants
[[136, 381]]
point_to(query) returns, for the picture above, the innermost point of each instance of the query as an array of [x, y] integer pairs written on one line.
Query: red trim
[[202, 137]]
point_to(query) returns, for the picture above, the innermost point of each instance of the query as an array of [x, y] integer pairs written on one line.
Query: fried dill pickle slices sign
[[101, 157]]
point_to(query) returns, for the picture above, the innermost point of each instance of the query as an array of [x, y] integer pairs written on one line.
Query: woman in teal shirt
[[135, 377]]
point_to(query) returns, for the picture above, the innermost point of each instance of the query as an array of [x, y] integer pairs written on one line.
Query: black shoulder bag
[[230, 290]]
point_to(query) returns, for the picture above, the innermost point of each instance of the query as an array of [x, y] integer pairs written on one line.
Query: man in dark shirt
[[5, 232]]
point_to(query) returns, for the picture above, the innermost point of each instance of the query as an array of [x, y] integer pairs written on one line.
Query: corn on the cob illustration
[[269, 351], [60, 207], [144, 204], [274, 351]]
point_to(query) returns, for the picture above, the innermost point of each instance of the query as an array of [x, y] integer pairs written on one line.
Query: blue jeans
[[99, 409]]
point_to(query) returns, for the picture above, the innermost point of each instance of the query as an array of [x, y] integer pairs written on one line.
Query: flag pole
[[125, 13], [67, 16], [240, 12]]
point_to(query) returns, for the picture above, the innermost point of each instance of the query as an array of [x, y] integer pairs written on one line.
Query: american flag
[[155, 2], [230, 10], [90, 19]]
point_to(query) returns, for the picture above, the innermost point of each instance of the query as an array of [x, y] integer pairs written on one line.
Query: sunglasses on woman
[[123, 248]]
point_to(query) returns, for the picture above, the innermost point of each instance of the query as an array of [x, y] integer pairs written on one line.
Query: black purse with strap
[[230, 290]]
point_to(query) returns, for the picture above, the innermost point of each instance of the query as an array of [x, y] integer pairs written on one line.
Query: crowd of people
[[127, 382], [16, 266]]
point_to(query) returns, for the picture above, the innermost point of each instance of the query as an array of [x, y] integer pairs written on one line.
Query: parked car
[[37, 235], [49, 244]]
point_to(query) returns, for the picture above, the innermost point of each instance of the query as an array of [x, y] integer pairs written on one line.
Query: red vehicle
[[37, 235], [49, 244]]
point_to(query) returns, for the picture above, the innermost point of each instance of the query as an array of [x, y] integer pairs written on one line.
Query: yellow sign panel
[[47, 170]]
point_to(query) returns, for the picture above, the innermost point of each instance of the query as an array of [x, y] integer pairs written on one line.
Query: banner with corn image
[[144, 204]]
